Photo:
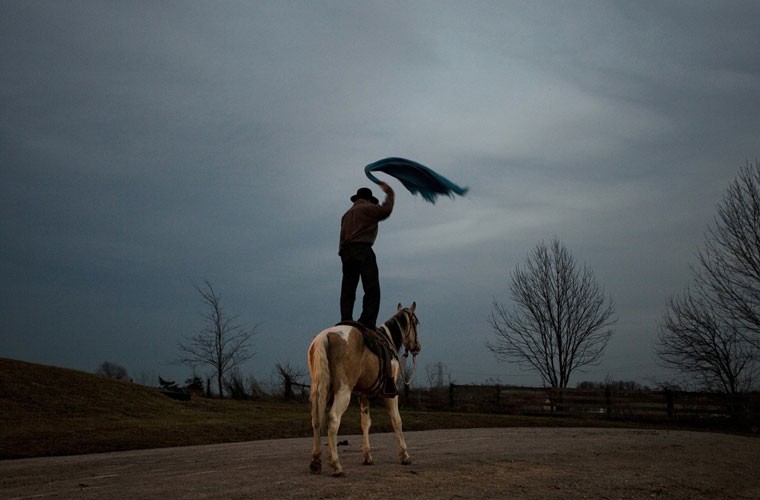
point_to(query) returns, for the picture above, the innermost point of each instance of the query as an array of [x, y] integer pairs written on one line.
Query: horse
[[341, 363]]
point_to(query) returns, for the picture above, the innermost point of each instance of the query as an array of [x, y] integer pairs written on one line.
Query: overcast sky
[[148, 146]]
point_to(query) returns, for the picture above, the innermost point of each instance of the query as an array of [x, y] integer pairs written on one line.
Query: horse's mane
[[397, 325]]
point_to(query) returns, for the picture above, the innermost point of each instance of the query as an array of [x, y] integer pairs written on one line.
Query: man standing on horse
[[358, 231]]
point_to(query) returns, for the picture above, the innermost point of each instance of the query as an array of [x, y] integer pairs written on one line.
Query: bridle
[[412, 323]]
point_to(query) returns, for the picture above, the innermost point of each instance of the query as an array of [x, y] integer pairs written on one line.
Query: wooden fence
[[592, 403]]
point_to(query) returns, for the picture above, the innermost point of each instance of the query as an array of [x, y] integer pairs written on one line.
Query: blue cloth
[[415, 177]]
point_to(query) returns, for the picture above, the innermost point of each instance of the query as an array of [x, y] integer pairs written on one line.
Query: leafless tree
[[290, 376], [696, 340], [223, 344], [438, 375], [236, 386], [112, 370], [561, 320], [729, 264], [712, 331]]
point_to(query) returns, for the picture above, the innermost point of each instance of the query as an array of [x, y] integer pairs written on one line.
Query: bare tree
[[712, 331], [290, 376], [729, 264], [696, 340], [112, 370], [438, 375], [223, 344], [561, 320], [236, 386]]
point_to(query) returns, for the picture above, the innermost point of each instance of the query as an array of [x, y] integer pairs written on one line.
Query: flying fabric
[[415, 177]]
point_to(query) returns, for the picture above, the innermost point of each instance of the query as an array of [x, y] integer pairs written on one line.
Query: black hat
[[364, 194]]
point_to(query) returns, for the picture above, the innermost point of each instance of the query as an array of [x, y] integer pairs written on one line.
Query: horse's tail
[[319, 369]]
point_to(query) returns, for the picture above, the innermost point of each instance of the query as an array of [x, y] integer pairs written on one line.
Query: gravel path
[[533, 463]]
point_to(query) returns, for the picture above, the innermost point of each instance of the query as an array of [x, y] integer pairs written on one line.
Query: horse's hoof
[[338, 474], [315, 467], [406, 461], [369, 461]]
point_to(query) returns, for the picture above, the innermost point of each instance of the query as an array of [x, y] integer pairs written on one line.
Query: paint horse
[[341, 363]]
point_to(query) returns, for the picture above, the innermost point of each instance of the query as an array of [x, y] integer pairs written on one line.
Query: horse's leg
[[340, 404], [366, 423], [392, 405], [316, 451]]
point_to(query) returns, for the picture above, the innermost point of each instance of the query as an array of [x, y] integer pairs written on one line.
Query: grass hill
[[46, 411]]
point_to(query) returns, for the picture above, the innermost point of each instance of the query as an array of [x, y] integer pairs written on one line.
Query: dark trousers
[[359, 262]]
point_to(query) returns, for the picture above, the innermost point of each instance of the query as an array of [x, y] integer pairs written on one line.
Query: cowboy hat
[[364, 194]]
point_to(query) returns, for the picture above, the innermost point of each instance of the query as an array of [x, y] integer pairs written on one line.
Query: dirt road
[[533, 463]]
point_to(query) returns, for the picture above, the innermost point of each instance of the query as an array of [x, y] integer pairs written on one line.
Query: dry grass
[[55, 411]]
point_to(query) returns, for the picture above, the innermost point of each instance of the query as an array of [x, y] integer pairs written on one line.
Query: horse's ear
[[400, 307], [414, 304]]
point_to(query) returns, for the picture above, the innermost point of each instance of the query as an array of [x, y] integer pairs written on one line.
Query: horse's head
[[409, 330]]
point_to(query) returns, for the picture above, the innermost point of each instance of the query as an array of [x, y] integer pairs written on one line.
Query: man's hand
[[386, 187]]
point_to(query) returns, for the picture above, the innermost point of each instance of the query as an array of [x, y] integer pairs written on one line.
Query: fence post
[[669, 401], [451, 395], [558, 400], [608, 400]]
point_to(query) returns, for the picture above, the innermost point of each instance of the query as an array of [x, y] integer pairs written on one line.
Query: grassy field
[[55, 411]]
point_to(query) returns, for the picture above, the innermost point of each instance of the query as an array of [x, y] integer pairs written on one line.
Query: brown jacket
[[359, 223]]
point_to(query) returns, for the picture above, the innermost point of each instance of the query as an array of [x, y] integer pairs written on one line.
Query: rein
[[408, 381]]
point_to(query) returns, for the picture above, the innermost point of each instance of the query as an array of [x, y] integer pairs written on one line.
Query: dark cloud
[[147, 147]]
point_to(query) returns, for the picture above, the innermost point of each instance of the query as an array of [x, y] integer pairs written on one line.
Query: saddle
[[378, 345]]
